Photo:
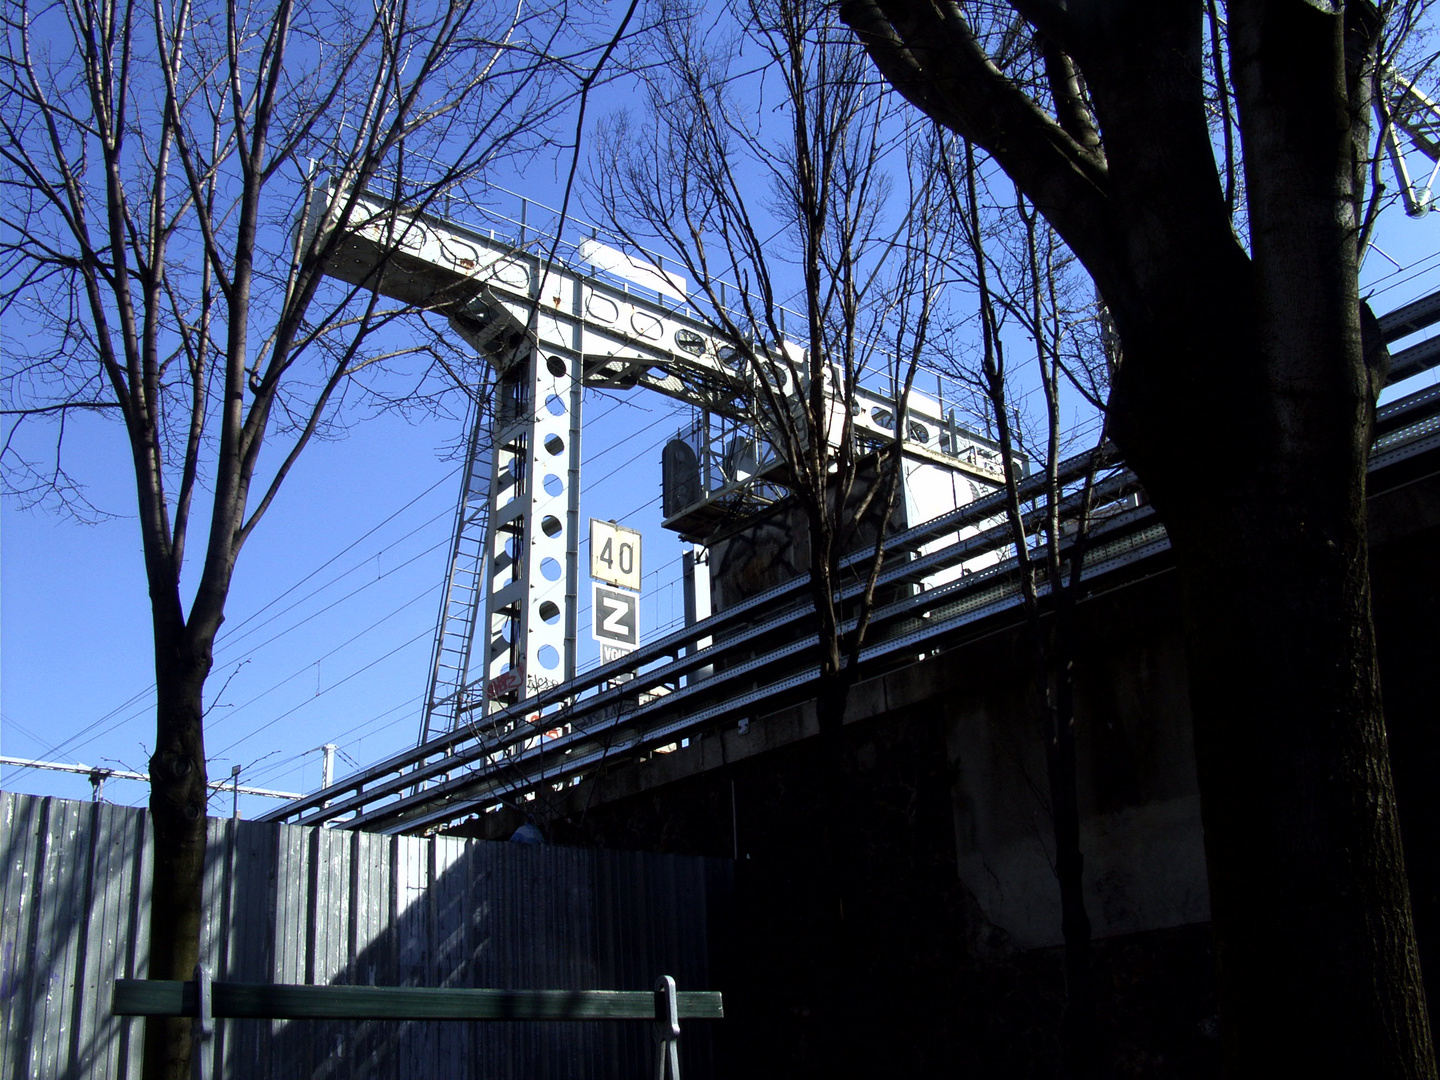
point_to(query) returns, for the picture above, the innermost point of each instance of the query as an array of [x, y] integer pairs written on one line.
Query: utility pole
[[99, 774], [327, 766], [235, 800]]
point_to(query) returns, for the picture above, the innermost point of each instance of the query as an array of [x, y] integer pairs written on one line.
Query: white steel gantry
[[508, 610], [551, 319], [1406, 108], [550, 322]]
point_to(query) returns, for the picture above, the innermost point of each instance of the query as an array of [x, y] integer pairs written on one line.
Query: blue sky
[[329, 627], [331, 618]]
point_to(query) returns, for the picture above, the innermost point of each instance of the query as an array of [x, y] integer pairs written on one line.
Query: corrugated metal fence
[[291, 904]]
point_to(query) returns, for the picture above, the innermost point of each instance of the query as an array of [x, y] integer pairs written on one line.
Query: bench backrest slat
[[261, 1001]]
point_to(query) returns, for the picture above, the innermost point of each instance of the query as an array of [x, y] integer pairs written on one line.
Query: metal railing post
[[667, 1030], [203, 1028]]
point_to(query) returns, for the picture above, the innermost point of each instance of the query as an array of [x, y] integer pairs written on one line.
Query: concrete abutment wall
[[957, 909]]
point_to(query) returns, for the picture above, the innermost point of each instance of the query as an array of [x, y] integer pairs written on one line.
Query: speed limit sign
[[615, 554]]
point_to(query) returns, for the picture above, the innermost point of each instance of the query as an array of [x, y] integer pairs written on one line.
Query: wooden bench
[[206, 1000]]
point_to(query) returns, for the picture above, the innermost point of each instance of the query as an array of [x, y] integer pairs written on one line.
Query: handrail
[[607, 719], [787, 596]]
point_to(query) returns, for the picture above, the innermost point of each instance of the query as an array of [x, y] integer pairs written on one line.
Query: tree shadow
[[291, 904]]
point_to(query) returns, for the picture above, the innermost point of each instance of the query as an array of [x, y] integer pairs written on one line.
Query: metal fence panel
[[296, 904]]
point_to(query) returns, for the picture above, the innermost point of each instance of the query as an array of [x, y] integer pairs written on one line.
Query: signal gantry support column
[[532, 559]]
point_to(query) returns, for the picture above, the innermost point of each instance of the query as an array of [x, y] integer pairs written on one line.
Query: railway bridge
[[722, 697], [703, 741]]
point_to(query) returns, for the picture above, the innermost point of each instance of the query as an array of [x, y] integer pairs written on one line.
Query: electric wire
[[309, 665], [333, 686], [224, 722], [220, 723], [147, 706], [144, 698], [448, 478], [618, 402], [1401, 277], [296, 762], [34, 736], [1397, 279], [351, 594]]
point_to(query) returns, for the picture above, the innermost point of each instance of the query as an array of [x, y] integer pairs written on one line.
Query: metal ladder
[[463, 595]]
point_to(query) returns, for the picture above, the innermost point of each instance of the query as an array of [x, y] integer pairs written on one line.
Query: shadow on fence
[[290, 904]]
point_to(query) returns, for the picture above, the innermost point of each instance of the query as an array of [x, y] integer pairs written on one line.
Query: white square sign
[[615, 554], [615, 618]]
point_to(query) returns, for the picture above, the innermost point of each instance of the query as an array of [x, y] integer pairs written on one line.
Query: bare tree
[[805, 227], [1243, 330], [783, 227], [177, 180], [1022, 275]]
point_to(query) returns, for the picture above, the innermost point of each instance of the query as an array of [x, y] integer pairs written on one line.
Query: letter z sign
[[617, 617]]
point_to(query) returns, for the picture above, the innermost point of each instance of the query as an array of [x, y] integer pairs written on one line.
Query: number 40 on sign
[[615, 554]]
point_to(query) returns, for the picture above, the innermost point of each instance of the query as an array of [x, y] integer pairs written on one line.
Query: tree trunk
[[177, 812], [1080, 1045], [1317, 966], [1244, 405], [1250, 431], [836, 967], [1249, 427]]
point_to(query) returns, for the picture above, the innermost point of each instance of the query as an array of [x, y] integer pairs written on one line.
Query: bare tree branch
[[165, 167]]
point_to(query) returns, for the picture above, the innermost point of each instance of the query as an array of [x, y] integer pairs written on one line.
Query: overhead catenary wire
[[296, 762], [309, 664], [71, 743], [333, 686], [138, 706], [351, 594], [447, 479], [1386, 284], [141, 702]]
